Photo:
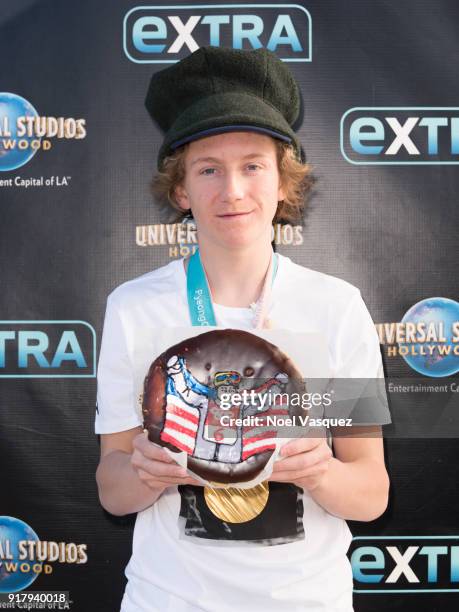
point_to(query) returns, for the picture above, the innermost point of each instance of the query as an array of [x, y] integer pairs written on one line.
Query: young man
[[227, 117]]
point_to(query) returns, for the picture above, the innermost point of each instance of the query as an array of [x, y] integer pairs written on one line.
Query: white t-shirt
[[170, 569]]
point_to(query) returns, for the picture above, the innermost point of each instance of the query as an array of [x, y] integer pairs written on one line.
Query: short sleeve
[[358, 375], [356, 352], [116, 403]]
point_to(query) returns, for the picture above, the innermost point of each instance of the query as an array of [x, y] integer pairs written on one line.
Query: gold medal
[[237, 505]]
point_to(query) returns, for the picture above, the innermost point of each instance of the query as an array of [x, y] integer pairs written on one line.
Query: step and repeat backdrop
[[380, 126]]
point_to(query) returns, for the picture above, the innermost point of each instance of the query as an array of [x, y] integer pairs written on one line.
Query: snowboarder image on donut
[[193, 413]]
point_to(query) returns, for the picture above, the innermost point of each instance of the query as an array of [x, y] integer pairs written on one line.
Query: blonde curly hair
[[296, 179]]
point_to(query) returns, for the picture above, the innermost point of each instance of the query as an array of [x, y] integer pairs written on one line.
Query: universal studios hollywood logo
[[181, 238], [24, 556], [166, 34], [427, 337], [23, 131]]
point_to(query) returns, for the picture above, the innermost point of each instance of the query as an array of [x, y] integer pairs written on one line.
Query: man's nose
[[232, 187]]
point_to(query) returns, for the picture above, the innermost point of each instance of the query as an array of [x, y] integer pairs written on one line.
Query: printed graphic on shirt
[[280, 522]]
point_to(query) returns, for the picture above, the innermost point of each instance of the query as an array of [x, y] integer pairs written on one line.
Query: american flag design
[[262, 438], [181, 424]]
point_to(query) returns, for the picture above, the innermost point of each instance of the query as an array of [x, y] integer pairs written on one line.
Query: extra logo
[[166, 34], [23, 131], [47, 349], [400, 135], [23, 556], [405, 564], [427, 337]]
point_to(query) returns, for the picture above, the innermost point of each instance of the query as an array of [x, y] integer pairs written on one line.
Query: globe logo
[[15, 151], [439, 357], [13, 570]]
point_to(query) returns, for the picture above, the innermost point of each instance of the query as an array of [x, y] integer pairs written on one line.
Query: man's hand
[[154, 467], [351, 483], [304, 462]]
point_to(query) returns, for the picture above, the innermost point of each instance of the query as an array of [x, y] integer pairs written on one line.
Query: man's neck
[[236, 277]]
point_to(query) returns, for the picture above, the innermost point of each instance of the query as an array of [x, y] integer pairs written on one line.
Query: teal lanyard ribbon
[[198, 291]]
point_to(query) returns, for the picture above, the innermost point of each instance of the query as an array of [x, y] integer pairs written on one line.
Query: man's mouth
[[230, 215]]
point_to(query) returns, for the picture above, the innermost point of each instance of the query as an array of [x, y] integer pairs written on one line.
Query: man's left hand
[[304, 462]]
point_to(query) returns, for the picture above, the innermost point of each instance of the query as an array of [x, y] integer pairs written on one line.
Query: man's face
[[232, 188]]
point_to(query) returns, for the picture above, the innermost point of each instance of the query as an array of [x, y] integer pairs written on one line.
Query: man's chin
[[236, 238]]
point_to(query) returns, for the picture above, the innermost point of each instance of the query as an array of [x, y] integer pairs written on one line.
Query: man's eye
[[253, 166], [207, 171]]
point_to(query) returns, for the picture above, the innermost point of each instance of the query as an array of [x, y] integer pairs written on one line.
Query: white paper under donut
[[182, 459]]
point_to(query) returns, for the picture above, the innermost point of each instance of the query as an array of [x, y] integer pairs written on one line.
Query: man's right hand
[[133, 472], [154, 467]]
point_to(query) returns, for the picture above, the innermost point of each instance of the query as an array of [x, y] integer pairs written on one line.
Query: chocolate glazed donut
[[182, 394]]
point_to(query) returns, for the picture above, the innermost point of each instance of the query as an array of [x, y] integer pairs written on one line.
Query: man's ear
[[181, 197]]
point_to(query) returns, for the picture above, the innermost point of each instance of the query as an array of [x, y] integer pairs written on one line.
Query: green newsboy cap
[[216, 90]]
